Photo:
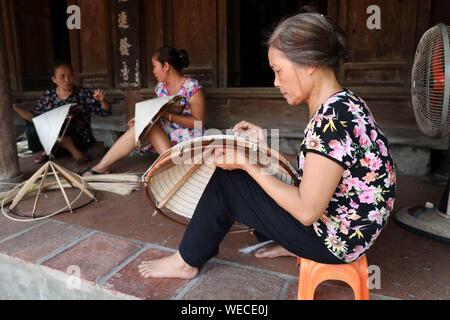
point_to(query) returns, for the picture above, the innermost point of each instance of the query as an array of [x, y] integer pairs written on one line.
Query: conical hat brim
[[168, 171], [147, 113]]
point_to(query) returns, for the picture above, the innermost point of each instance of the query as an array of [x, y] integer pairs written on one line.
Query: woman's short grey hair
[[310, 39]]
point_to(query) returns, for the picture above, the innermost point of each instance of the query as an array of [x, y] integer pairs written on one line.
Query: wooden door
[[91, 48], [32, 42], [380, 57], [199, 26]]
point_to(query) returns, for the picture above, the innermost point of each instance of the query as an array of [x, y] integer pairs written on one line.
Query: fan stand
[[49, 169], [427, 220]]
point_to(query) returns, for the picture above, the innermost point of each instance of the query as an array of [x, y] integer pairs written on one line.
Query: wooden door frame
[[9, 25], [338, 9], [75, 48]]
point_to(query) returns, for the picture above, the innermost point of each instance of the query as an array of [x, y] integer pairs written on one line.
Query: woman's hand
[[167, 115], [248, 130], [131, 123], [99, 95], [230, 158]]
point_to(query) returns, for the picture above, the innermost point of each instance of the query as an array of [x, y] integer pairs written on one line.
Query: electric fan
[[430, 100]]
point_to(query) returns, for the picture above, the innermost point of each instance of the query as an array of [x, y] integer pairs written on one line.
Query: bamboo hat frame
[[178, 178], [51, 128], [147, 114]]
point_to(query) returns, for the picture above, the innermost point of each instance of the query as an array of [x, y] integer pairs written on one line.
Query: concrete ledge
[[108, 129], [413, 161], [111, 123], [26, 281], [105, 129]]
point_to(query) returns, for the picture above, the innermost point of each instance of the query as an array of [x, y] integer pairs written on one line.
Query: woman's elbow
[[308, 222], [199, 123], [307, 219]]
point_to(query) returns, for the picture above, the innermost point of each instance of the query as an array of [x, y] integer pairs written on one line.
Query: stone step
[[55, 260]]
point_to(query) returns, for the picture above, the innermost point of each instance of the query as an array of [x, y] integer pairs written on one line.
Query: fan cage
[[431, 82]]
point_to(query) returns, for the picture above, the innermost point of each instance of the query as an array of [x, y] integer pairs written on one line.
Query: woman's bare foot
[[168, 267], [274, 251]]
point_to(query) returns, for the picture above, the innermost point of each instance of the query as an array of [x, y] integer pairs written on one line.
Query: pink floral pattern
[[175, 132], [345, 131]]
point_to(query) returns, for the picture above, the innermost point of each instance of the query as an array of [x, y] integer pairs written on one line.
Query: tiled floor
[[109, 238]]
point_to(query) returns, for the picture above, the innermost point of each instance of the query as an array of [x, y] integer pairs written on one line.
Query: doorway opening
[[250, 23]]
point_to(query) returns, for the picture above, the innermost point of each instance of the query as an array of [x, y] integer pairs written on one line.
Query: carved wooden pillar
[[127, 51], [9, 165]]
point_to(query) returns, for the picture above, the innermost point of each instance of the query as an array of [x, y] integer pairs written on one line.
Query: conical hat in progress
[[179, 176], [48, 126], [148, 112]]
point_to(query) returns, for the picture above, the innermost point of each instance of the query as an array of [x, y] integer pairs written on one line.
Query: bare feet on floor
[[169, 267], [273, 251]]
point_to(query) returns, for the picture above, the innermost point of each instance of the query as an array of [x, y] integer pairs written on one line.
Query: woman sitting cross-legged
[[78, 138], [347, 187], [168, 65]]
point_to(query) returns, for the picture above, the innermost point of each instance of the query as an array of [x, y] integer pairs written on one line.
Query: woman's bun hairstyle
[[178, 59], [310, 39], [184, 57]]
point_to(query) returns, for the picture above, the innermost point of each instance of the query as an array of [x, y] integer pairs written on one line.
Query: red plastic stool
[[312, 273]]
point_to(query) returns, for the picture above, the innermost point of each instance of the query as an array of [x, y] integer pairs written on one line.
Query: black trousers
[[234, 196], [33, 140]]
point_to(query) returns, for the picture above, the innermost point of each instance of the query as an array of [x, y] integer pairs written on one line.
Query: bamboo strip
[[27, 186], [41, 187], [61, 187]]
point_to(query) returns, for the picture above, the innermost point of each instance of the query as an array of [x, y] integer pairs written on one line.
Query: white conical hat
[[148, 112], [48, 126], [179, 176]]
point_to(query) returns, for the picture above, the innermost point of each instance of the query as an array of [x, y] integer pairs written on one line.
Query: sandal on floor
[[91, 171], [43, 157]]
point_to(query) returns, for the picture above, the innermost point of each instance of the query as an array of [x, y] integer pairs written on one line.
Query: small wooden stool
[[312, 273]]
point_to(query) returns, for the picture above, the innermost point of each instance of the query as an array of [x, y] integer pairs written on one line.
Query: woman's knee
[[234, 176], [230, 182], [222, 175]]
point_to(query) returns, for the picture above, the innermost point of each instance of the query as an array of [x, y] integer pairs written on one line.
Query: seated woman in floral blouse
[[79, 137], [168, 64], [347, 187]]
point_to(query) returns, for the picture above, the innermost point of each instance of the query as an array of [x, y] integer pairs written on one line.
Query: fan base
[[426, 222]]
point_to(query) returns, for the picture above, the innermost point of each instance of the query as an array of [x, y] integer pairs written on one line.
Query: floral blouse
[[86, 104], [344, 130], [175, 132]]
